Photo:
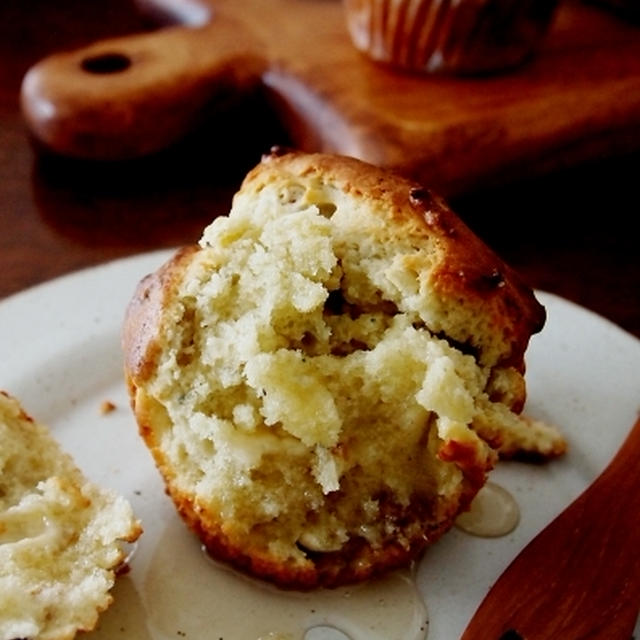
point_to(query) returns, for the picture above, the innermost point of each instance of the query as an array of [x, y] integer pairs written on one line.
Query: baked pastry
[[323, 382], [60, 535], [627, 9], [449, 36]]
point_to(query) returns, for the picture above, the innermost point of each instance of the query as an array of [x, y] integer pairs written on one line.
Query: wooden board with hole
[[579, 99]]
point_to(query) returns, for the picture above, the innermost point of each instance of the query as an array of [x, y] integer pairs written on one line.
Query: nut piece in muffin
[[61, 536], [325, 381]]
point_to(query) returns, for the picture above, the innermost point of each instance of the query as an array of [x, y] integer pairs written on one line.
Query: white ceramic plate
[[60, 355]]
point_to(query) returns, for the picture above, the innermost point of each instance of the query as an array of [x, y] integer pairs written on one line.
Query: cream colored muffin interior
[[60, 535], [300, 383]]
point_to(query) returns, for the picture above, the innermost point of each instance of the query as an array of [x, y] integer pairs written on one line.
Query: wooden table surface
[[572, 232]]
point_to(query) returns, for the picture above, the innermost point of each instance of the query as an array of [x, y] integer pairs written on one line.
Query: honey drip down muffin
[[327, 378]]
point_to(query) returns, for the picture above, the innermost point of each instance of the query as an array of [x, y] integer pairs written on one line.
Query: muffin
[[327, 378], [61, 536], [626, 9], [449, 36]]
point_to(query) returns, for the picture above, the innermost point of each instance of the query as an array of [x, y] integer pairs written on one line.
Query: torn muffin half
[[327, 378], [62, 537]]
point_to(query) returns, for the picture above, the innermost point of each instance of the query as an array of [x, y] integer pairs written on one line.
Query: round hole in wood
[[106, 63]]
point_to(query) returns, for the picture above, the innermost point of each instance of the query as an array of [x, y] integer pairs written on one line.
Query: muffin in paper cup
[[626, 9], [449, 36]]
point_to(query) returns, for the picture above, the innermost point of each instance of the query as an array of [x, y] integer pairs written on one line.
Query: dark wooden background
[[572, 232]]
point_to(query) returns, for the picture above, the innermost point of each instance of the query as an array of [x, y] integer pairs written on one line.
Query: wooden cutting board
[[577, 100]]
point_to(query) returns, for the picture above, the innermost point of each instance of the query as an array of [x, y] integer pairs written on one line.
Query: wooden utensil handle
[[129, 96], [580, 577]]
